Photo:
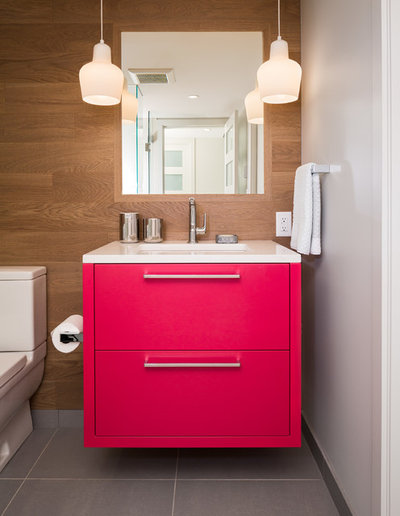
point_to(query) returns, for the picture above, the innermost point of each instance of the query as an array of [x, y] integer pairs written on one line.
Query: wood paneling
[[44, 98], [26, 11], [25, 127], [58, 155]]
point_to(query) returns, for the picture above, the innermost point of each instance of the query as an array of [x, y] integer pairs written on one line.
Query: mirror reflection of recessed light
[[193, 96], [207, 129]]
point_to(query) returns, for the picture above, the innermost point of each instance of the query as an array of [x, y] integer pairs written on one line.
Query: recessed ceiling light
[[193, 96], [207, 129]]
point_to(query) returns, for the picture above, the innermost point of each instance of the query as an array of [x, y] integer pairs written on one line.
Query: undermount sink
[[199, 248]]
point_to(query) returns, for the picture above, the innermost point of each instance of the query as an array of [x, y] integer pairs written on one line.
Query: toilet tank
[[22, 307]]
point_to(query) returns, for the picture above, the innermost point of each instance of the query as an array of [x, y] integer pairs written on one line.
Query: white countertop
[[246, 251]]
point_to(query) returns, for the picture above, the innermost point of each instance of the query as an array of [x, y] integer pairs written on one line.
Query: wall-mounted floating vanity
[[192, 345]]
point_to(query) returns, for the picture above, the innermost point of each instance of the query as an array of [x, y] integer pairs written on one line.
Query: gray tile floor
[[54, 475]]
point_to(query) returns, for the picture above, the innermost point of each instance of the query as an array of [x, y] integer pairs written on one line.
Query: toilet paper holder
[[66, 338]]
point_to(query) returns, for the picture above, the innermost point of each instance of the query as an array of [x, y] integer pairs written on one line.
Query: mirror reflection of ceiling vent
[[152, 75]]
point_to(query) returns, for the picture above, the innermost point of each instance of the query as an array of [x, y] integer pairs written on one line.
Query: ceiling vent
[[152, 75]]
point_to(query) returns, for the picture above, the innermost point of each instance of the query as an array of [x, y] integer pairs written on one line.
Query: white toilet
[[23, 333]]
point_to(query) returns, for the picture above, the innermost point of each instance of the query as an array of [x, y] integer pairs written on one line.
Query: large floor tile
[[253, 498], [45, 418], [70, 418], [66, 457], [93, 498], [7, 490], [27, 454], [248, 463]]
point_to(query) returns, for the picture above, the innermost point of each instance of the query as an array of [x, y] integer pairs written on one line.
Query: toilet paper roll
[[73, 325]]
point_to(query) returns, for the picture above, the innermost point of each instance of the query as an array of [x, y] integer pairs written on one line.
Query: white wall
[[260, 159], [341, 300], [242, 152], [390, 258], [209, 159], [129, 182]]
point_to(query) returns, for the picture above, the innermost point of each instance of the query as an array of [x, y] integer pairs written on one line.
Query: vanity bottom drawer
[[192, 393]]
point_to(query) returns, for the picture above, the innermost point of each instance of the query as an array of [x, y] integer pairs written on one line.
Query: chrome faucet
[[193, 231]]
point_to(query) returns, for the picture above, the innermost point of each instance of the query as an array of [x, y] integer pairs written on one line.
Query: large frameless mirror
[[187, 132]]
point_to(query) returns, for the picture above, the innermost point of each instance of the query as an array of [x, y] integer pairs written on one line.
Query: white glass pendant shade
[[129, 106], [279, 78], [101, 81], [254, 107]]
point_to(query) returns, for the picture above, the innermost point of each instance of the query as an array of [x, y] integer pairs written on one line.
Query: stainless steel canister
[[152, 230], [129, 227]]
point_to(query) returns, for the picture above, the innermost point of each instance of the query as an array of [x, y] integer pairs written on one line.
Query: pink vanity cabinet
[[192, 355]]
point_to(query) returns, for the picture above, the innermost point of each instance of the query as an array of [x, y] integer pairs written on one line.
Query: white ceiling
[[220, 67]]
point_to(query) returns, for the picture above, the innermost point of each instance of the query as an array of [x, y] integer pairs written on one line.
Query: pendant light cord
[[279, 19], [101, 22]]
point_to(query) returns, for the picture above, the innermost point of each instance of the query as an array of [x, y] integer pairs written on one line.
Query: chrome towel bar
[[325, 169]]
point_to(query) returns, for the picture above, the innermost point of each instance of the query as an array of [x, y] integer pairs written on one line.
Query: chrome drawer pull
[[191, 276], [193, 364]]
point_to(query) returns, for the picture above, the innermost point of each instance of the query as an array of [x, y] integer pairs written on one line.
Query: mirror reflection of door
[[230, 137], [198, 169], [178, 166]]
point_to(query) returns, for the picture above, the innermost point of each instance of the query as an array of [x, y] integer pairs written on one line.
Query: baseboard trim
[[326, 473], [57, 418]]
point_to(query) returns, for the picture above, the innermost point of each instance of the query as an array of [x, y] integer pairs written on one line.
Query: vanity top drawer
[[192, 393], [191, 306]]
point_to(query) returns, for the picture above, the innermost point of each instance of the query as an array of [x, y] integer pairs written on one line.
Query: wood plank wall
[[57, 154]]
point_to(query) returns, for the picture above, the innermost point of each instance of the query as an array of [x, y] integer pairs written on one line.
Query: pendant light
[[101, 81], [129, 106], [279, 77], [254, 107]]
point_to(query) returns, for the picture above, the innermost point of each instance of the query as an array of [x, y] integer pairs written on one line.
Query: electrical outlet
[[283, 223]]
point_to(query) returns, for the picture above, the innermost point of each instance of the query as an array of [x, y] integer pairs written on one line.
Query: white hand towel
[[316, 210], [306, 231]]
